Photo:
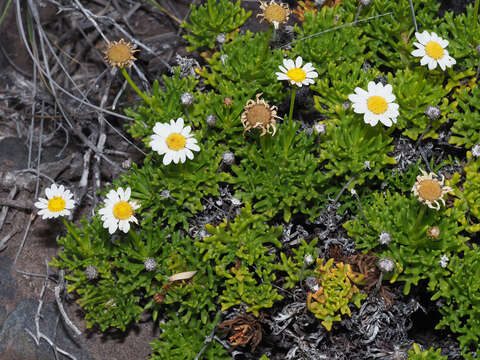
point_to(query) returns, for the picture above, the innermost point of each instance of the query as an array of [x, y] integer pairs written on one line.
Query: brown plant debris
[[242, 330]]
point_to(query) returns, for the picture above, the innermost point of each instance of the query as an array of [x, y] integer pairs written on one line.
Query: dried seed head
[[385, 238], [434, 232], [228, 157], [91, 272], [211, 120], [476, 151], [227, 102], [165, 194], [366, 165], [221, 38], [274, 13], [186, 98], [150, 264], [433, 112], [386, 265], [365, 2]]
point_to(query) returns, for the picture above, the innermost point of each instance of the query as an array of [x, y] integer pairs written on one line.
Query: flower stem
[[292, 102], [266, 45], [475, 16], [137, 90]]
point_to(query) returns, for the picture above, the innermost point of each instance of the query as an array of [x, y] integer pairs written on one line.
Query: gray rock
[[17, 344], [8, 287]]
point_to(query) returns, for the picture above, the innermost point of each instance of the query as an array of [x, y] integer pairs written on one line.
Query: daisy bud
[[476, 151], [211, 120], [385, 238], [434, 232], [221, 38], [186, 98], [91, 272], [365, 2], [227, 102], [228, 157], [386, 265], [150, 264], [235, 201], [127, 164], [308, 259], [478, 49], [320, 128], [444, 261], [433, 112]]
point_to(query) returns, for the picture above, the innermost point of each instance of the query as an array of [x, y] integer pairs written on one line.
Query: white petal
[[128, 192], [312, 75], [48, 192], [121, 193], [443, 43], [423, 37], [432, 64], [298, 62], [167, 159], [441, 62], [281, 76], [192, 146], [112, 228], [418, 52], [282, 69], [386, 121], [186, 131], [308, 67], [183, 155], [189, 154], [425, 60], [372, 87], [418, 45], [289, 64]]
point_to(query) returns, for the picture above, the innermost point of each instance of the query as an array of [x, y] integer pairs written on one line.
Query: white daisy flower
[[295, 73], [59, 202], [173, 140], [376, 103], [118, 211], [431, 48]]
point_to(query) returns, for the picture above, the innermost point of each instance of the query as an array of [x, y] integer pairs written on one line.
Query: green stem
[[132, 84], [475, 16], [292, 102], [266, 45], [5, 11]]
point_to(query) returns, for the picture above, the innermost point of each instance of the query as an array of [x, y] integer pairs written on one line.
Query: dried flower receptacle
[[120, 54], [429, 190], [259, 115], [274, 13]]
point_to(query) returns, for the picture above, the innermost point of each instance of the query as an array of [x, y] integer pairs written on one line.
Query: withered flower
[[120, 54], [258, 114]]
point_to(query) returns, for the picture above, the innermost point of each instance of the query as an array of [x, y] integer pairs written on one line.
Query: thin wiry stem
[[335, 28], [413, 15]]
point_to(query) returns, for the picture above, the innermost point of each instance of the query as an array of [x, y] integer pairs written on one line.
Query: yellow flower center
[[297, 74], [122, 210], [258, 113], [119, 53], [429, 190], [377, 104], [276, 13], [176, 141], [434, 50], [56, 204]]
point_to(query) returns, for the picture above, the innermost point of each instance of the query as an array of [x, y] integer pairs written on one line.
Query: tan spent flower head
[[120, 54], [274, 13], [429, 190], [258, 114]]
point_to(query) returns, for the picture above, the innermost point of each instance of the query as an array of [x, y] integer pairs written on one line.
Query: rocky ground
[[27, 243]]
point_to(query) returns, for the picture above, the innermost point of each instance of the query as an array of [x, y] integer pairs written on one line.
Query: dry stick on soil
[[56, 85], [82, 184], [60, 286], [39, 335], [4, 240], [207, 342], [3, 213], [17, 204]]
